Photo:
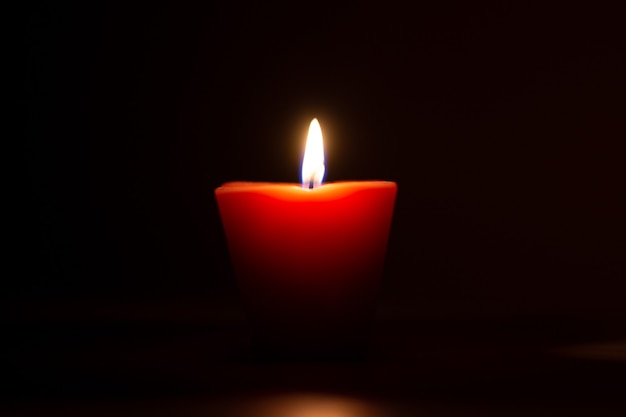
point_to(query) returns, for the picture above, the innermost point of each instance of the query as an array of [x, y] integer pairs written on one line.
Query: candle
[[308, 258]]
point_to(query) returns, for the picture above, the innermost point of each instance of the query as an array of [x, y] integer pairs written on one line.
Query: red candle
[[308, 260]]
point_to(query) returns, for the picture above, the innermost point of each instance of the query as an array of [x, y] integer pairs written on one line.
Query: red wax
[[308, 261]]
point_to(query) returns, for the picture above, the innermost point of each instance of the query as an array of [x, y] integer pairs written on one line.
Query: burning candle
[[308, 258]]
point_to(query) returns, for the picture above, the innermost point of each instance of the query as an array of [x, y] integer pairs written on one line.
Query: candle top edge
[[295, 192], [245, 185]]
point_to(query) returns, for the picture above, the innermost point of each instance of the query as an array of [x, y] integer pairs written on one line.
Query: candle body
[[308, 262]]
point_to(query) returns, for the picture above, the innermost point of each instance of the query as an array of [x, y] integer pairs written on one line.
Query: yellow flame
[[313, 163]]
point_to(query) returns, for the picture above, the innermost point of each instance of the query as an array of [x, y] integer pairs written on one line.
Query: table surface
[[192, 358]]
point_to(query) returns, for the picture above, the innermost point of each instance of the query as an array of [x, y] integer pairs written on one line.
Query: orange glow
[[311, 405]]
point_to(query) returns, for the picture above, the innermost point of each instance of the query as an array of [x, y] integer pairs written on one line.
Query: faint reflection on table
[[312, 405]]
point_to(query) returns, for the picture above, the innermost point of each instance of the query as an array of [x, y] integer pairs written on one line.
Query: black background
[[502, 123]]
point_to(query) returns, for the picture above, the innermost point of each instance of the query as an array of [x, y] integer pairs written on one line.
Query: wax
[[308, 261]]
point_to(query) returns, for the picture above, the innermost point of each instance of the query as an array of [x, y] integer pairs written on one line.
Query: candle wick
[[311, 185]]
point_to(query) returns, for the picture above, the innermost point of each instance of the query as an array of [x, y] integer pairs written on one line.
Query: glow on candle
[[313, 163]]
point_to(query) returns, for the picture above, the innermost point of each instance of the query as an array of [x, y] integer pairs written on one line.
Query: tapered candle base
[[310, 317]]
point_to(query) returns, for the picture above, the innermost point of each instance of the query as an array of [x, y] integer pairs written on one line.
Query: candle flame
[[313, 163]]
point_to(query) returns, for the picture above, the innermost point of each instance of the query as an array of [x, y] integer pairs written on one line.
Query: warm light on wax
[[313, 163]]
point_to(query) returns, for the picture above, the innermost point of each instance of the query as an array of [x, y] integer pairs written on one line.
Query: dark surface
[[502, 123], [193, 357]]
